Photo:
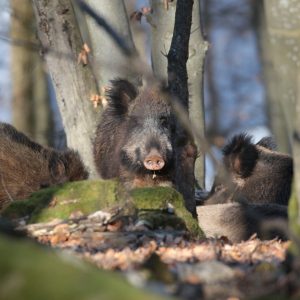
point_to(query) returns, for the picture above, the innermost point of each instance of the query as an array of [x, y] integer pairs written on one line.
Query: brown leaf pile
[[216, 266]]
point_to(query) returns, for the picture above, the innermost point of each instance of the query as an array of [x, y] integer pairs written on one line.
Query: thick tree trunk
[[74, 83], [30, 106], [162, 32]]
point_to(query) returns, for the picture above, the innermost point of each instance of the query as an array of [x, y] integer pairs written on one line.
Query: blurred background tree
[[31, 110]]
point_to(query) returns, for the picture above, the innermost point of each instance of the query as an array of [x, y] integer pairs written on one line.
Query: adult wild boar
[[256, 173], [26, 166], [253, 195], [134, 137]]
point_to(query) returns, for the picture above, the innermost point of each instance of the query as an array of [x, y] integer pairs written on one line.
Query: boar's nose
[[154, 162]]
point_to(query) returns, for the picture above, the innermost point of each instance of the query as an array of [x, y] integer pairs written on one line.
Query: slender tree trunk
[[178, 84], [74, 83], [195, 67], [30, 105], [162, 32]]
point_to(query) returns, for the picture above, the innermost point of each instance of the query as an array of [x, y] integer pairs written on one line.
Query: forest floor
[[172, 263]]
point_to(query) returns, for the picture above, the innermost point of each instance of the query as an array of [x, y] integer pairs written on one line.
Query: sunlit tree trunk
[[73, 82], [283, 29], [273, 62]]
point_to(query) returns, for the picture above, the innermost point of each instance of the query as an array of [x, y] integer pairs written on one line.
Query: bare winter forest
[[149, 149]]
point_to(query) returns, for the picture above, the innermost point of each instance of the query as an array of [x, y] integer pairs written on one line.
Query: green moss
[[60, 202], [28, 271], [294, 219], [89, 196], [158, 198]]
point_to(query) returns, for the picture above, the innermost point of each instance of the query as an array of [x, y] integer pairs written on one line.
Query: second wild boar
[[26, 166]]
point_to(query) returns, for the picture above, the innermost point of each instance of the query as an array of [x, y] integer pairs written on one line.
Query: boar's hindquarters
[[239, 221]]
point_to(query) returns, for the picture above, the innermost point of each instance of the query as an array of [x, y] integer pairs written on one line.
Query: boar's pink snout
[[154, 161]]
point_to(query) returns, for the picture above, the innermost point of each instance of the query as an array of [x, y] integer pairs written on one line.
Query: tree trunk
[[271, 58], [185, 149], [162, 32], [30, 101], [283, 28], [109, 61], [74, 83]]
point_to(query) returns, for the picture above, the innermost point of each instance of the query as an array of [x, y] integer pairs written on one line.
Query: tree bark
[[162, 32], [74, 83], [30, 101], [283, 28], [104, 48], [178, 85], [195, 66], [272, 58]]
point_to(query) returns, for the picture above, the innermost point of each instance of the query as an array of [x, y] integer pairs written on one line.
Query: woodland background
[[243, 71]]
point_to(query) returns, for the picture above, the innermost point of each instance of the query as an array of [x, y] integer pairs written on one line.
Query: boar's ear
[[120, 94], [240, 155], [267, 142]]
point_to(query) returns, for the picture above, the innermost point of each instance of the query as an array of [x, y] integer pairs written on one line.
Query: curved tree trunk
[[74, 83]]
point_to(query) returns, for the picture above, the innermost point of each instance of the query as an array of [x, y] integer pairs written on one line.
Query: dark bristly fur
[[239, 221], [255, 172], [254, 195], [26, 166], [134, 122]]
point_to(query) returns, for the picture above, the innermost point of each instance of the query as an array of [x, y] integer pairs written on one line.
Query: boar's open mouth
[[159, 166]]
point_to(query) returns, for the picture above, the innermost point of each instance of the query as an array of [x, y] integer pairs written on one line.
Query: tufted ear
[[119, 95], [240, 155], [268, 142]]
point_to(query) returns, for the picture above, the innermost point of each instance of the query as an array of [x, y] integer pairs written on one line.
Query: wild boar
[[239, 221], [134, 137], [253, 196], [256, 173], [26, 166]]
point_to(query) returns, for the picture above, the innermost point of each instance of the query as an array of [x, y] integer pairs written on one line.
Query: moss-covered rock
[[28, 271], [60, 202], [89, 196], [158, 198]]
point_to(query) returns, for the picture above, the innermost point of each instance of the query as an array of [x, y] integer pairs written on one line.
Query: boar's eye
[[164, 122]]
